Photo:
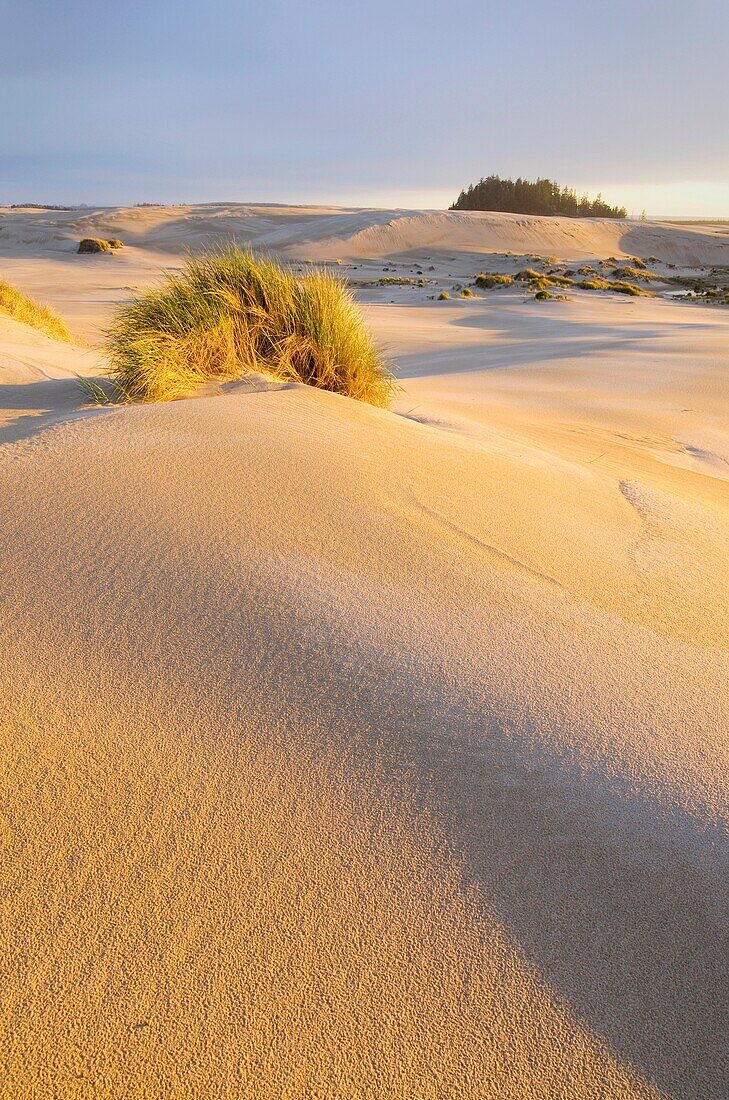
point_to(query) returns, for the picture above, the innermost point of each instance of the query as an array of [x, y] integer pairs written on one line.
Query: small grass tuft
[[542, 296], [443, 296], [23, 308], [115, 243], [229, 312]]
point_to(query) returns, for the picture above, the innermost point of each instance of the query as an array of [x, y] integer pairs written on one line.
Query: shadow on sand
[[31, 407]]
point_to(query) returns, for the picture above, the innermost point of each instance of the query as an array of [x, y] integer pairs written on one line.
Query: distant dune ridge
[[337, 233], [350, 752]]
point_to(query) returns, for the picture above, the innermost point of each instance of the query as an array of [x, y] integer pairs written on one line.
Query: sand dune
[[361, 753], [323, 233]]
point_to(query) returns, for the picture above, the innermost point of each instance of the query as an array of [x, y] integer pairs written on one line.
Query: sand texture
[[360, 753]]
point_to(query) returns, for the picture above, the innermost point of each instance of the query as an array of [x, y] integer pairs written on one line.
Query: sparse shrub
[[227, 313], [23, 308], [443, 296], [94, 244], [489, 280]]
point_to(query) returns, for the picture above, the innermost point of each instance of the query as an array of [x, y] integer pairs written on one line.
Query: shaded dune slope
[[360, 799]]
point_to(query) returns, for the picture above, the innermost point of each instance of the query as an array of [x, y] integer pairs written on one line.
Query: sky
[[374, 102]]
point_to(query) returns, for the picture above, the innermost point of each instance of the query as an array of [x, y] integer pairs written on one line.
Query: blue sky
[[382, 103]]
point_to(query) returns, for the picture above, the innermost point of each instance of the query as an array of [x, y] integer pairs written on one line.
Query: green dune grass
[[23, 308], [228, 313]]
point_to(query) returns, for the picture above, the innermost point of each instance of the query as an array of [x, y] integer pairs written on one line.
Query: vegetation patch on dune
[[630, 272], [628, 288], [487, 280], [21, 307], [388, 280], [593, 284], [97, 244], [619, 287], [400, 280], [229, 313], [538, 280]]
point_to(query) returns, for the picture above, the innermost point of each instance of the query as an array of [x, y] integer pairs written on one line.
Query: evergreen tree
[[542, 196]]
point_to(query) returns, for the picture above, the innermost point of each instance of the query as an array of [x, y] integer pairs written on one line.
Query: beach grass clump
[[487, 280], [228, 313], [628, 288], [443, 296], [628, 272], [21, 307], [593, 284], [529, 275], [466, 293], [93, 244], [542, 296], [115, 243], [539, 281], [620, 286]]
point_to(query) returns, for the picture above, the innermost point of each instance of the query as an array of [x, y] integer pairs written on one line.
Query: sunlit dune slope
[[321, 777]]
